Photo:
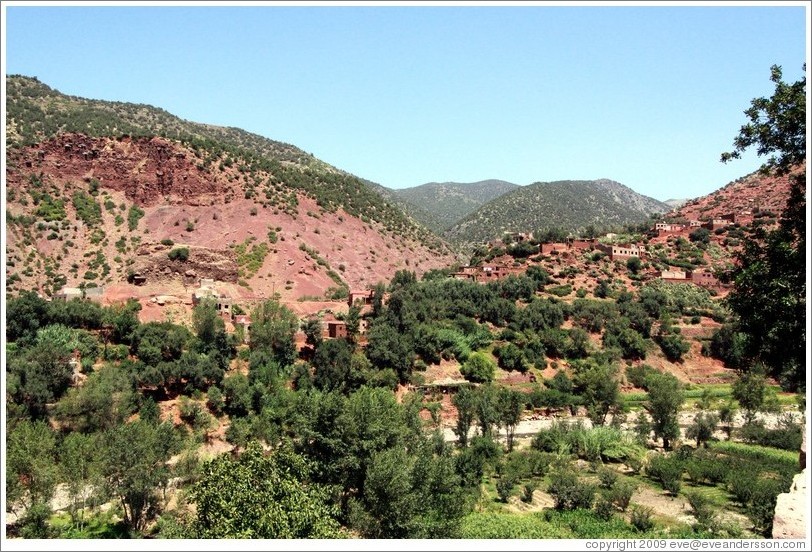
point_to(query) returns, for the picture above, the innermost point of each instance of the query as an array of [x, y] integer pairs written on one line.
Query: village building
[[68, 293], [222, 302], [624, 251], [553, 248], [466, 273], [668, 227], [362, 299], [679, 275], [704, 279], [716, 223], [336, 329], [583, 245], [243, 321]]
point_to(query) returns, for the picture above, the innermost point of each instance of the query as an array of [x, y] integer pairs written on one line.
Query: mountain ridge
[[571, 205], [438, 205]]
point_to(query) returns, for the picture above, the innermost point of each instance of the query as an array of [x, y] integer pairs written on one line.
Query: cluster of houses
[[498, 268], [723, 221], [614, 252]]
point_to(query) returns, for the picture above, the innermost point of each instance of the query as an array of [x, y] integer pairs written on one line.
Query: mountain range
[[305, 227], [569, 205]]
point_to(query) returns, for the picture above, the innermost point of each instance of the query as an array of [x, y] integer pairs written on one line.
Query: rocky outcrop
[[791, 509], [149, 171], [153, 263]]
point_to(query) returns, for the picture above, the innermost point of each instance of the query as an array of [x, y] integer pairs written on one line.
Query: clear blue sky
[[649, 96]]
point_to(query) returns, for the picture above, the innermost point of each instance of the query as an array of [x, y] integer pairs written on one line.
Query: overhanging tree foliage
[[769, 292]]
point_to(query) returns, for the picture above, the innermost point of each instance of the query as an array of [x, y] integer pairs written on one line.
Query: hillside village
[[192, 311]]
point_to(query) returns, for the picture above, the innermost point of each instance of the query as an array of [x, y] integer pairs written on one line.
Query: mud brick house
[[624, 251]]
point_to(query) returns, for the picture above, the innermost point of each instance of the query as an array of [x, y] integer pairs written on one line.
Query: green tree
[[703, 427], [273, 328], [279, 503], [353, 322], [511, 406], [333, 367], [634, 264], [421, 486], [750, 390], [665, 397], [31, 470], [25, 314], [105, 400], [313, 332], [207, 324], [769, 292], [79, 468], [478, 368], [133, 464], [487, 409], [389, 348], [599, 388], [727, 413], [464, 401], [41, 373]]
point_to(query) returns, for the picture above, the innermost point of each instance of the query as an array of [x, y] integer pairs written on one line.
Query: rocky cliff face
[[151, 194], [792, 508]]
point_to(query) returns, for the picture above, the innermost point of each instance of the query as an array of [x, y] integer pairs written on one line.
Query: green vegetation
[[769, 294], [133, 216], [546, 205], [336, 436], [250, 260], [87, 209], [179, 254]]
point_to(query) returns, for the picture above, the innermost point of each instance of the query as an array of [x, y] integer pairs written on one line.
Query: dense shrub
[[788, 437], [569, 492], [604, 509], [179, 254], [478, 368], [621, 494], [701, 508], [667, 470], [637, 375], [640, 518]]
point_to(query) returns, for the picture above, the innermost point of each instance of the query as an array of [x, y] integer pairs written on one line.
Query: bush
[[504, 487], [215, 400], [560, 291], [538, 462], [608, 477], [621, 494], [702, 509], [604, 509], [640, 518], [637, 375], [673, 346], [740, 484], [761, 508], [569, 492], [528, 490], [667, 470], [179, 254], [788, 437], [133, 216], [478, 368], [167, 242]]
